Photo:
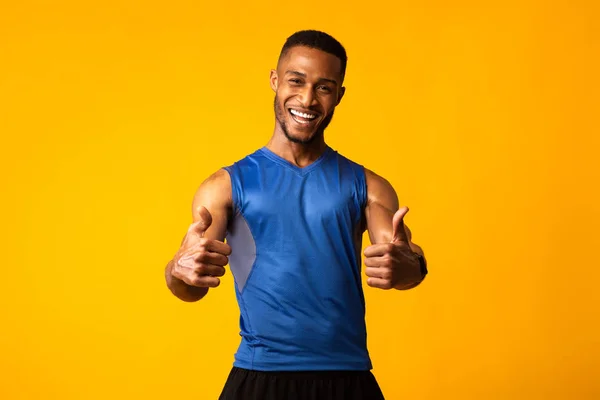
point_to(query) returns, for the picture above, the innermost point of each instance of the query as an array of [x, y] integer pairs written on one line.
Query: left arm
[[390, 261]]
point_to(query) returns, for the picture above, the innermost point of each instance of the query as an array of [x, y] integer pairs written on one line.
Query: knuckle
[[200, 269], [197, 281], [175, 272]]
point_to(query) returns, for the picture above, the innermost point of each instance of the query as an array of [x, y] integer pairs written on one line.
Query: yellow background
[[483, 115]]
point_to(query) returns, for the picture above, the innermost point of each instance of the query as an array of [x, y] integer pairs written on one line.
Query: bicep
[[215, 194], [382, 204]]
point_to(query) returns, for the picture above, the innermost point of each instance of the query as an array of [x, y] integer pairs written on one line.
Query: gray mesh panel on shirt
[[243, 250]]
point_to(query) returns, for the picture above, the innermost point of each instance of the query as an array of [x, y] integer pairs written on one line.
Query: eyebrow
[[304, 76]]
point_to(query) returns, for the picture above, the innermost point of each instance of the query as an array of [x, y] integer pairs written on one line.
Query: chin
[[301, 137]]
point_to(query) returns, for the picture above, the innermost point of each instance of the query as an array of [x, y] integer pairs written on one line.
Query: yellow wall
[[484, 118]]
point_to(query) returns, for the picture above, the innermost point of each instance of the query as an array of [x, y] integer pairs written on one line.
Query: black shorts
[[244, 384]]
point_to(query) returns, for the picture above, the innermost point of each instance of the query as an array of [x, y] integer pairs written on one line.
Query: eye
[[324, 88], [295, 81]]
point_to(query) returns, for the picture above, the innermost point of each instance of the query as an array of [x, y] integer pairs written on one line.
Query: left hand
[[394, 264]]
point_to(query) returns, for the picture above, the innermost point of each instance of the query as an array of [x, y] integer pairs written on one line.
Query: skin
[[308, 81]]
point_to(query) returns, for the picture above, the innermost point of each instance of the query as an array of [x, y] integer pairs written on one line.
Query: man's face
[[308, 87]]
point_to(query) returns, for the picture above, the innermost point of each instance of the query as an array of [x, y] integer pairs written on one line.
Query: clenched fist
[[394, 264], [200, 261]]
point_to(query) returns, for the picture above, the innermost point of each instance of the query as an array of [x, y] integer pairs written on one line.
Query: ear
[[273, 80], [342, 91]]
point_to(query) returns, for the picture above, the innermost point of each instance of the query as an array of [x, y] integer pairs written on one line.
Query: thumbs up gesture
[[200, 261], [392, 265]]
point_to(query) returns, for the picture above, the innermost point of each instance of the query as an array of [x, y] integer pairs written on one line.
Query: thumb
[[398, 232], [203, 223]]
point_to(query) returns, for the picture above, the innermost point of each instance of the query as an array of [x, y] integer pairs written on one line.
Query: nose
[[307, 96]]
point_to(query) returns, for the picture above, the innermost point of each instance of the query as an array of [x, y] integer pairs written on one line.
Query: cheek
[[328, 106], [285, 94]]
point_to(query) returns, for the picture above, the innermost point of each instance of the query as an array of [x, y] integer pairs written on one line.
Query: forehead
[[311, 62]]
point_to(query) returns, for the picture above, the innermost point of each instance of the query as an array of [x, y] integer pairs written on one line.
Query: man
[[293, 213]]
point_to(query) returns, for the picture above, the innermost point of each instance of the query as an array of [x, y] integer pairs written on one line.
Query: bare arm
[[382, 205], [202, 255]]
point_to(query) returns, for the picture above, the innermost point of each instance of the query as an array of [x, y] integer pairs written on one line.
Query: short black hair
[[317, 40]]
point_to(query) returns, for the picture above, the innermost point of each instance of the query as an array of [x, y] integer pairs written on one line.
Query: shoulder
[[216, 189], [379, 189], [249, 159], [351, 168], [343, 159], [373, 180], [218, 179]]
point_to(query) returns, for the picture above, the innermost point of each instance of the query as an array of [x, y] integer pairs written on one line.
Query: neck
[[298, 154]]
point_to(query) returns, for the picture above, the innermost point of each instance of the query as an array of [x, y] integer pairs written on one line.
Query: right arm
[[202, 255]]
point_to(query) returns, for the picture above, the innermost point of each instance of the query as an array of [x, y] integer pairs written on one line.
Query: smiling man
[[293, 214]]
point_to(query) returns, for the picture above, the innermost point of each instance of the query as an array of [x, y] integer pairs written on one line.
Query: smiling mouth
[[301, 117]]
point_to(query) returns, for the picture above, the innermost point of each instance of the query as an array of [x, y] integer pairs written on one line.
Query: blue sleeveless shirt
[[296, 239]]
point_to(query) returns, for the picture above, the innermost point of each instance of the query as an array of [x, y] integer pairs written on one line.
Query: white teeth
[[303, 115]]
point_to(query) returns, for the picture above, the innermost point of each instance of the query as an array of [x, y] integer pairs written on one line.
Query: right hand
[[200, 261]]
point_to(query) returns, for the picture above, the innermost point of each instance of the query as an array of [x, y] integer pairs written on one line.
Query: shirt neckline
[[299, 170]]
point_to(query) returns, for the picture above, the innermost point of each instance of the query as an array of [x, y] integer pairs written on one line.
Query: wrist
[[422, 265], [417, 274], [181, 289]]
